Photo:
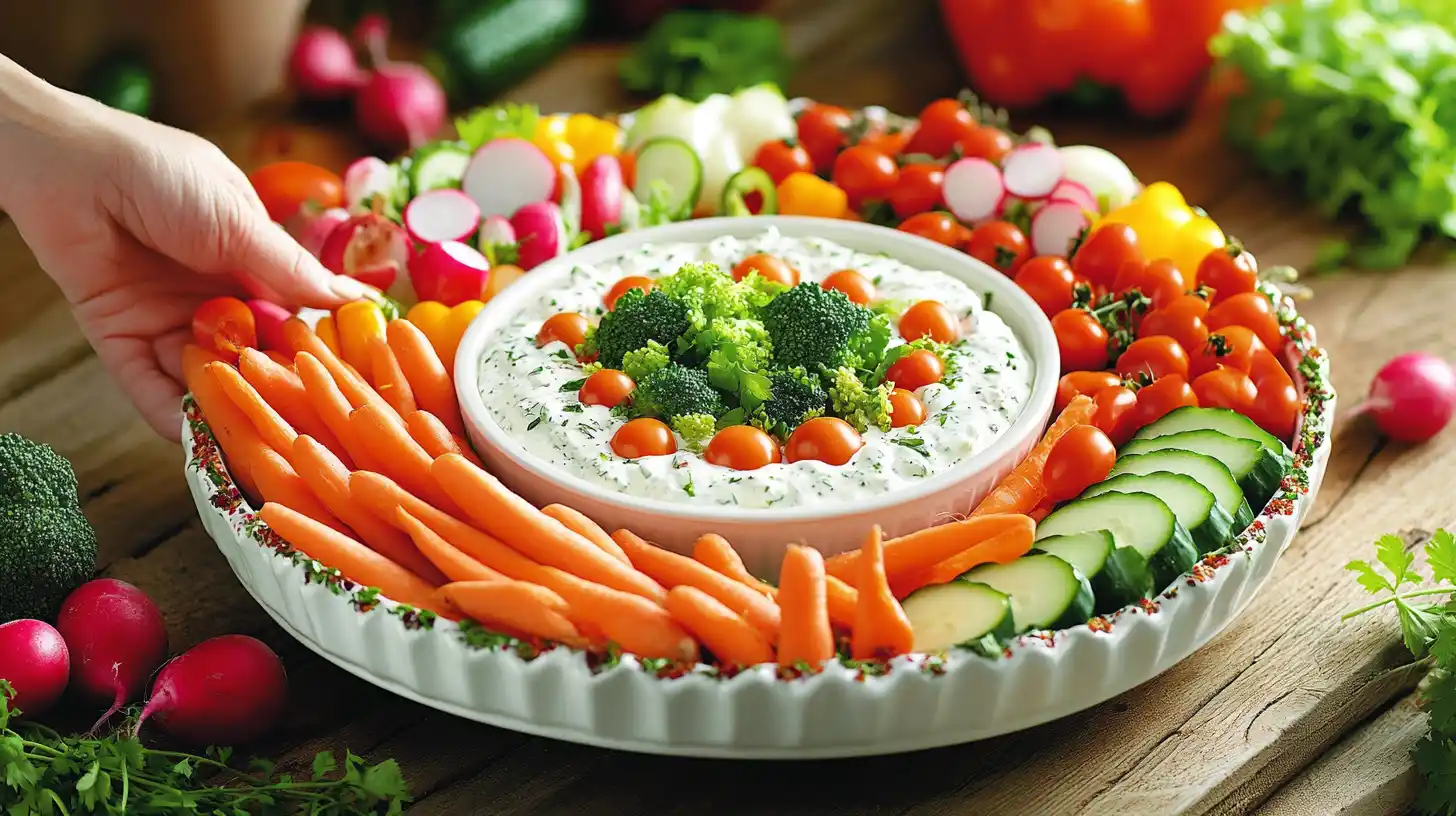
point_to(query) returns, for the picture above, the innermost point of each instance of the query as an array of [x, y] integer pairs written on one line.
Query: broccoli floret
[[675, 391], [638, 363], [796, 398], [710, 292], [812, 326], [860, 406], [636, 320], [47, 548], [749, 339], [695, 429]]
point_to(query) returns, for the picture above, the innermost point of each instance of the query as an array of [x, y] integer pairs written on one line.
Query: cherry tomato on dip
[[1000, 245], [1156, 400], [989, 143], [855, 286], [905, 409], [824, 439], [225, 325], [286, 186], [1153, 357], [865, 174], [918, 189], [822, 132], [625, 285], [1250, 309], [783, 158], [741, 447], [1113, 411], [566, 327], [1049, 281], [1229, 270], [939, 227], [607, 387], [1081, 340], [1225, 388], [644, 436], [942, 123], [1082, 383], [1081, 458], [929, 318], [1102, 255], [769, 267], [915, 370]]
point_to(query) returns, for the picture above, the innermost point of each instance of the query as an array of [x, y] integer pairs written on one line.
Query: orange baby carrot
[[927, 547], [515, 521], [999, 549], [714, 551], [279, 483], [355, 561], [281, 386], [804, 636], [732, 639], [842, 600], [515, 608], [278, 357], [1023, 489], [231, 428], [881, 629], [434, 388], [577, 522], [399, 456], [332, 407], [389, 380], [636, 624], [451, 561], [275, 431], [671, 569], [427, 429], [353, 386]]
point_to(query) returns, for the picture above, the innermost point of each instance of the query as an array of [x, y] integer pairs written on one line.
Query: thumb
[[269, 257]]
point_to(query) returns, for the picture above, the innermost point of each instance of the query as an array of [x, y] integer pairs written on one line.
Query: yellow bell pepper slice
[[328, 333], [590, 138], [1168, 228], [1195, 240], [359, 324], [429, 317], [551, 138], [806, 194]]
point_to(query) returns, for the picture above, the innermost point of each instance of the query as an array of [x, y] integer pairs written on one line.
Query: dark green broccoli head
[[47, 548], [636, 319], [811, 326], [676, 391], [33, 474], [796, 397]]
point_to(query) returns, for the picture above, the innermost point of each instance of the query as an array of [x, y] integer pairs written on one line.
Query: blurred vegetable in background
[[121, 80], [695, 54], [634, 16], [484, 48]]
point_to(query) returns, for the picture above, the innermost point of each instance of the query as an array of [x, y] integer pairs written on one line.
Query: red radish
[[380, 277], [541, 233], [1411, 398], [973, 189], [601, 195], [449, 272], [401, 105], [507, 174], [229, 690], [322, 65], [1055, 226], [365, 178], [35, 663], [371, 34], [1032, 170], [365, 241], [496, 233], [310, 227], [568, 198], [269, 318], [441, 215], [1076, 192], [116, 637]]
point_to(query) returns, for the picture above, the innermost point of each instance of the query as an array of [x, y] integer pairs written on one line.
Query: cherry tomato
[[644, 436], [1081, 339], [865, 174], [1250, 309], [1178, 322], [1228, 271], [769, 267], [855, 286], [1265, 367], [1000, 245], [1082, 383], [888, 140], [225, 325], [1102, 255], [929, 318], [1225, 388], [1113, 407], [822, 133], [1231, 347], [1160, 281], [624, 286], [918, 189], [905, 409], [939, 227], [1276, 409], [1081, 458], [989, 143], [824, 439], [1154, 357], [915, 370], [783, 158], [942, 123], [1049, 280], [1153, 401], [566, 327], [742, 447], [286, 186], [607, 387]]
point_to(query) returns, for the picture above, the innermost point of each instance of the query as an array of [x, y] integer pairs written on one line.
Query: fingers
[[269, 256], [133, 365]]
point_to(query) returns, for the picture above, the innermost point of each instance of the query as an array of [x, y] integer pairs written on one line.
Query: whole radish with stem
[[400, 104], [540, 233], [116, 638], [229, 690], [1411, 398], [35, 662], [322, 65]]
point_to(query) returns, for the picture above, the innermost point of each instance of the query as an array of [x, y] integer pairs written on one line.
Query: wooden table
[[1288, 711]]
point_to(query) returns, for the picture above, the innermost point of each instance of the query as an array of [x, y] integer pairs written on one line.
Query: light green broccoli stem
[[638, 364], [860, 406], [695, 429]]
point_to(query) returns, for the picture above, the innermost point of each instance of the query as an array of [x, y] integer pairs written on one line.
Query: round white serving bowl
[[760, 534]]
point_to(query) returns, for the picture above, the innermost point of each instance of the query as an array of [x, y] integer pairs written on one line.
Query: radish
[[449, 272], [401, 105], [364, 178], [441, 215], [382, 278], [568, 196], [601, 195], [1055, 226], [540, 232], [322, 65], [269, 318], [36, 665], [507, 174], [496, 233], [310, 227], [366, 241], [229, 690], [1411, 398], [371, 33], [116, 637], [1076, 193], [973, 189], [1032, 170]]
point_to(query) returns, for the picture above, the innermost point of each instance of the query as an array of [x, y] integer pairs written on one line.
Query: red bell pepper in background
[[1020, 52]]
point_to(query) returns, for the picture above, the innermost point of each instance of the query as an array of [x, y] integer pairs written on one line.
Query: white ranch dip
[[987, 385]]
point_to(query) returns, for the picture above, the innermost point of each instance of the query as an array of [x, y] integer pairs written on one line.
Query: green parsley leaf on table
[[695, 53]]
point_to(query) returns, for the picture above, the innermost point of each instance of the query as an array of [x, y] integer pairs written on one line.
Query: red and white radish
[[364, 178], [322, 65], [1032, 170], [973, 189], [568, 198], [229, 690], [311, 227], [507, 174], [401, 105], [441, 215], [601, 195], [371, 34], [1074, 192], [1411, 398], [449, 272], [116, 637], [540, 234], [365, 241], [382, 278], [496, 234], [1055, 226], [268, 318], [35, 662]]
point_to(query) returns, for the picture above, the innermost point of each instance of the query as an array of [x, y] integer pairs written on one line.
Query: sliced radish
[[569, 199], [540, 233], [1076, 192], [973, 189], [507, 174], [441, 215], [364, 178], [496, 233], [1055, 226], [601, 195], [365, 241], [1032, 170], [449, 272], [311, 227]]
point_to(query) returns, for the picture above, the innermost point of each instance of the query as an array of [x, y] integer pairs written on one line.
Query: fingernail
[[350, 288]]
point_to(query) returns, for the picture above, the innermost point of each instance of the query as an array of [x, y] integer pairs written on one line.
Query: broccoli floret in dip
[[675, 391]]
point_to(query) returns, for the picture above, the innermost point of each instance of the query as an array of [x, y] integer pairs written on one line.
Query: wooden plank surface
[[1287, 711]]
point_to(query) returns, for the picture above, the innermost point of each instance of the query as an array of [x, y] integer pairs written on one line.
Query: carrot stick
[[732, 639], [274, 430], [278, 357], [578, 523], [881, 629], [389, 380], [714, 552], [671, 569], [636, 624], [805, 636], [434, 388], [332, 407], [231, 428], [281, 386], [515, 608], [279, 483], [357, 562], [999, 549], [427, 429], [1022, 490], [451, 561], [515, 521], [843, 600], [401, 458], [327, 477], [927, 547], [354, 387]]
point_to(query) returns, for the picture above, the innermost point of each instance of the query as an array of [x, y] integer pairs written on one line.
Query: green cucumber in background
[[122, 81], [483, 48]]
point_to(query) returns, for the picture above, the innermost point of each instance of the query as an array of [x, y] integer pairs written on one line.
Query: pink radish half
[[1075, 192], [365, 241], [268, 318], [36, 664], [496, 232], [441, 215], [507, 174], [116, 637], [449, 272], [364, 178], [973, 189], [1055, 226], [601, 195], [311, 227], [1032, 170], [229, 690], [540, 233]]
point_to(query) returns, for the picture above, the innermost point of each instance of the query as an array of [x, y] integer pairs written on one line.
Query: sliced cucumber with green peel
[[1205, 470], [1194, 505], [671, 165], [745, 181], [1257, 471], [437, 166], [1119, 575], [958, 613], [1137, 520], [1224, 420], [1046, 591]]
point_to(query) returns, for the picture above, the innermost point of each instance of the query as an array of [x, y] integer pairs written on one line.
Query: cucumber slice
[[1204, 469], [958, 613], [1194, 505], [437, 166], [1258, 471], [1224, 420], [1046, 592], [670, 164], [1137, 520], [1119, 575], [745, 181]]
